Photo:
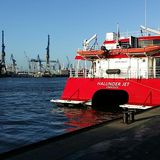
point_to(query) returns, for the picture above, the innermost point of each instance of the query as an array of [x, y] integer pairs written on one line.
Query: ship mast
[[145, 14]]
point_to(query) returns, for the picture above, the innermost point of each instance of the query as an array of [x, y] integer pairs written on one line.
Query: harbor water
[[28, 116]]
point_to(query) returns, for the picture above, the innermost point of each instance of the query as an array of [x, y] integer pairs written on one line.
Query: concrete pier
[[111, 141]]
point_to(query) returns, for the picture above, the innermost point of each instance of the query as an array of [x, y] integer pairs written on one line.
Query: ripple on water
[[27, 116]]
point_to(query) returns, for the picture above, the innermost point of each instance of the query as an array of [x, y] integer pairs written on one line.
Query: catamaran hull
[[144, 92]]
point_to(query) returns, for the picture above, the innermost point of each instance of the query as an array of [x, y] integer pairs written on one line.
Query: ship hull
[[113, 91]]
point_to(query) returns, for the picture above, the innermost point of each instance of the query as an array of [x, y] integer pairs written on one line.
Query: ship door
[[93, 68], [157, 67], [150, 67]]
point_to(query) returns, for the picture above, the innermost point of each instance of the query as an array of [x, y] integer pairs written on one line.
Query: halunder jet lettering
[[113, 84]]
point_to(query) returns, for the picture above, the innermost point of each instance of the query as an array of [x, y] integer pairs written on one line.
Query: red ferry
[[124, 72]]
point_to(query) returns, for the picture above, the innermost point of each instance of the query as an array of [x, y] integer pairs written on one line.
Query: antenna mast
[[145, 13]]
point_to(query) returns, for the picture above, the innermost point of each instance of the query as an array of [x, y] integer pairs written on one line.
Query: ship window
[[124, 44], [158, 67], [113, 71], [156, 42], [145, 43]]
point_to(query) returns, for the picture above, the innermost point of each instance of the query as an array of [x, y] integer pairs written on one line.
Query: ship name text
[[113, 84]]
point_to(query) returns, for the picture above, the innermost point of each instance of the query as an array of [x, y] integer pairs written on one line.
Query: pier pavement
[[110, 141]]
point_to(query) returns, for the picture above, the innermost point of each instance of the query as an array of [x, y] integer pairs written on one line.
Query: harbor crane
[[40, 63], [36, 66], [29, 61], [2, 61], [13, 64], [47, 54], [68, 62], [48, 61], [59, 65]]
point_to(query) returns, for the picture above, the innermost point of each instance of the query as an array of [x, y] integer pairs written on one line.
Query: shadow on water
[[80, 117]]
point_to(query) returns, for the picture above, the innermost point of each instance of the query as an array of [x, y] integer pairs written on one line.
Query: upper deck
[[120, 57], [146, 67]]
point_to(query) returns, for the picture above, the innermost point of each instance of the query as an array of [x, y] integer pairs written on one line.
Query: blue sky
[[28, 22]]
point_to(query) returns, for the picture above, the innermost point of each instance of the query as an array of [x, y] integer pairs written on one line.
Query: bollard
[[131, 116], [125, 117]]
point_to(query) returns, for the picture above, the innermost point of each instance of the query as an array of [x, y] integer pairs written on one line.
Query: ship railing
[[136, 33], [125, 73], [131, 33], [79, 73]]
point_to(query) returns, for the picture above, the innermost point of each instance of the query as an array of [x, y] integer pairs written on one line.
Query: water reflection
[[78, 118]]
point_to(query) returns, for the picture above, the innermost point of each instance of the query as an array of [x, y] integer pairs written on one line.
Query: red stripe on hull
[[149, 38], [140, 91]]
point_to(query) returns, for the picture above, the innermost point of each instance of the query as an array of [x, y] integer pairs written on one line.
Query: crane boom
[[150, 30], [87, 42]]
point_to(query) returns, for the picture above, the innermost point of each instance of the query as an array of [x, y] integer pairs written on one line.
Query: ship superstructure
[[124, 72]]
